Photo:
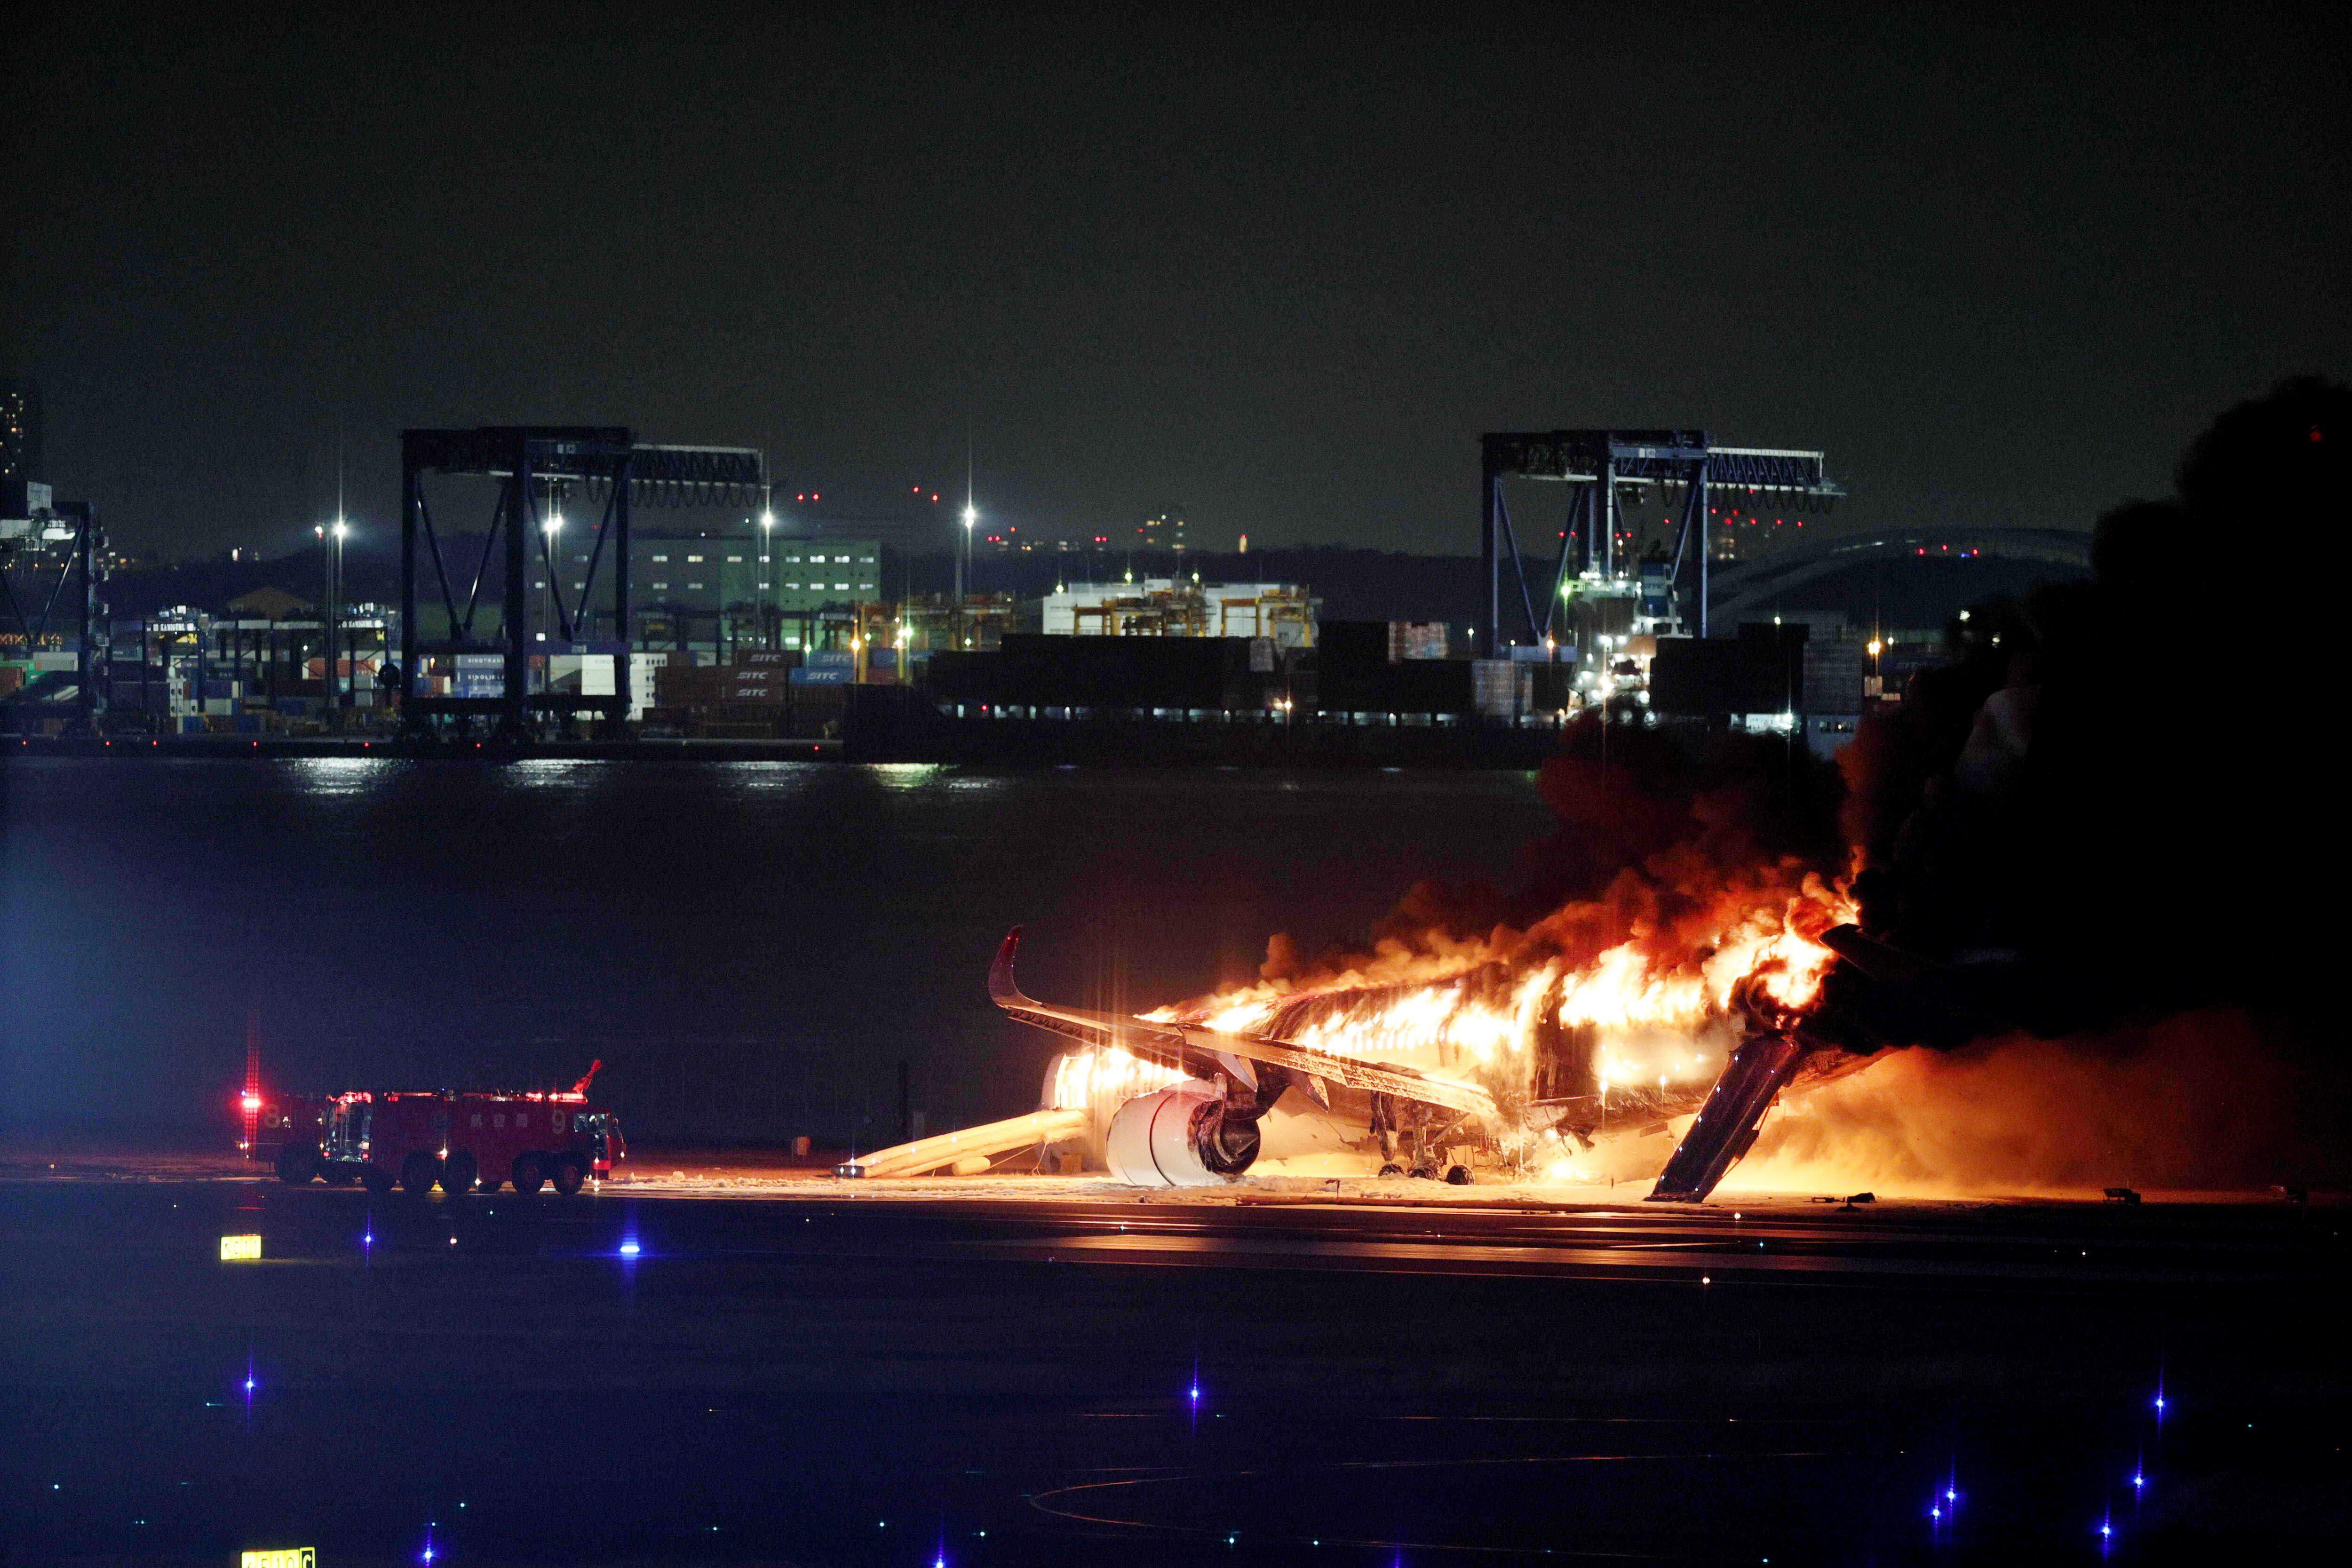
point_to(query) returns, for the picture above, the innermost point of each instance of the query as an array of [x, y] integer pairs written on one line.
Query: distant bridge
[[1741, 586]]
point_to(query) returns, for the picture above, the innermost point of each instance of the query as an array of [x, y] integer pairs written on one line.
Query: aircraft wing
[[1203, 1052]]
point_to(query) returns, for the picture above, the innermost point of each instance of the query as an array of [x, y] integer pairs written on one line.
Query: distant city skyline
[[1285, 273]]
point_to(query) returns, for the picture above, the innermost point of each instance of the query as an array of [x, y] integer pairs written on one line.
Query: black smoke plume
[[2120, 800]]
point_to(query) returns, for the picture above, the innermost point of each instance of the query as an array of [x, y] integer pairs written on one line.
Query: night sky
[[1277, 269]]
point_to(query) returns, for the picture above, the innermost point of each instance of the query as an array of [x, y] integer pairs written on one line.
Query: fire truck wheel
[[488, 1183], [1391, 1169], [418, 1173], [335, 1174], [458, 1174], [529, 1175], [569, 1174], [1457, 1176], [377, 1180], [297, 1163]]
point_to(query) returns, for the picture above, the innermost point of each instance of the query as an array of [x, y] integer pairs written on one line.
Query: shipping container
[[1346, 646], [1834, 677], [1418, 641], [1495, 687], [1760, 670]]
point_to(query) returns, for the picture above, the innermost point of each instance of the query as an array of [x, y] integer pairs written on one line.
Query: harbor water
[[752, 948]]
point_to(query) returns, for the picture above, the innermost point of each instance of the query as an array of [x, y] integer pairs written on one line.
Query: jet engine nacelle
[[1179, 1136]]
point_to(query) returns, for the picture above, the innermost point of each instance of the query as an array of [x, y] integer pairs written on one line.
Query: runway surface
[[834, 1373]]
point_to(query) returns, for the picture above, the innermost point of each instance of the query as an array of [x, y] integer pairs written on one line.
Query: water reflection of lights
[[770, 778], [905, 775], [338, 775]]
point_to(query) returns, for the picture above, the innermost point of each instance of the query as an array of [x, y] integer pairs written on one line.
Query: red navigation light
[[251, 1102]]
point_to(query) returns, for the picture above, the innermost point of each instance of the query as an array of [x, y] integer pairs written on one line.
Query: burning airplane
[[1517, 1052]]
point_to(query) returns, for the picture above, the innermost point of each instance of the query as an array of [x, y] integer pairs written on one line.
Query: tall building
[[20, 431], [702, 573]]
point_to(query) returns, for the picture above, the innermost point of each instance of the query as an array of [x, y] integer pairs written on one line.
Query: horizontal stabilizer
[[988, 1139]]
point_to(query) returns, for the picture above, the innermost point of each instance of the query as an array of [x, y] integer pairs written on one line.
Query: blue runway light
[[629, 1248]]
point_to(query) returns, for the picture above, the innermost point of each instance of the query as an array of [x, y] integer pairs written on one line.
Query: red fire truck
[[460, 1140]]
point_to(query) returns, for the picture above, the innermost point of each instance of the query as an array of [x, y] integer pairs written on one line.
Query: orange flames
[[1643, 989]]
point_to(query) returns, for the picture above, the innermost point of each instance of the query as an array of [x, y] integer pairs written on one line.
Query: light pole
[[966, 569], [963, 550], [771, 606], [326, 614], [334, 651], [332, 536], [553, 527]]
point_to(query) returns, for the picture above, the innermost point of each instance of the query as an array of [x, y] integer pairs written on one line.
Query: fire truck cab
[[460, 1140]]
